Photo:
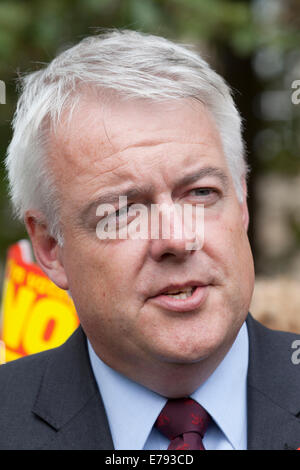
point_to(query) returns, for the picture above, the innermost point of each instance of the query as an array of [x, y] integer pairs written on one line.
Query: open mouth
[[181, 298], [181, 294]]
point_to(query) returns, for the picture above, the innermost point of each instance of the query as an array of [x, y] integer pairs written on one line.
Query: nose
[[172, 234]]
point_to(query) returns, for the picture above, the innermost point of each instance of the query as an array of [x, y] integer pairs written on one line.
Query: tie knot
[[182, 415]]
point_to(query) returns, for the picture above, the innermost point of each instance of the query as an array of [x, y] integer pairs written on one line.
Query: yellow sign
[[36, 314]]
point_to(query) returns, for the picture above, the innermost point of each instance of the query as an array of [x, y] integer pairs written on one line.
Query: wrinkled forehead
[[112, 124], [104, 141]]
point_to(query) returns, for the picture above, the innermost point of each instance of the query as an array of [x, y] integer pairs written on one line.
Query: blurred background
[[254, 44]]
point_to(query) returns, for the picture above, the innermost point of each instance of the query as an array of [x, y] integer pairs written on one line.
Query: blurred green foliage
[[33, 32]]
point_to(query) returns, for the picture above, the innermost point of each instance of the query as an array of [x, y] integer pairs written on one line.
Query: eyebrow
[[202, 173], [112, 197]]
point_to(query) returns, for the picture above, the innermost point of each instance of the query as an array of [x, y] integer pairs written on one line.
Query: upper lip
[[179, 287]]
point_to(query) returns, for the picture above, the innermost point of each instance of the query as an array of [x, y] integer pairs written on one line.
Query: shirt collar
[[224, 393], [132, 409]]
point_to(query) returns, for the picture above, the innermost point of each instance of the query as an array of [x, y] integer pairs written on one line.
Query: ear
[[46, 249], [244, 206]]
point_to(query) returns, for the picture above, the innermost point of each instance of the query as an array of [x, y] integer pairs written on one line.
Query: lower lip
[[182, 305]]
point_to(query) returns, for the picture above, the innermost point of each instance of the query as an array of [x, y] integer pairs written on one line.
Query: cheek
[[225, 234], [102, 273], [227, 245]]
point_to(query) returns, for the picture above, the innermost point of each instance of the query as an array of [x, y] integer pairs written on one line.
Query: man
[[164, 319]]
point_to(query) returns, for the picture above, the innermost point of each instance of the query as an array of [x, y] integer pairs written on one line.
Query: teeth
[[181, 295]]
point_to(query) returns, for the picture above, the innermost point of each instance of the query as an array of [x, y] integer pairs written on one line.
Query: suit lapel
[[69, 400], [273, 390]]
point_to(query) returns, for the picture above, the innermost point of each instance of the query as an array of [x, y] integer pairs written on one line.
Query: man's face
[[157, 150]]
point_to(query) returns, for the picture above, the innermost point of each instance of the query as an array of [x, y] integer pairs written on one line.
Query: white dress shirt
[[133, 409]]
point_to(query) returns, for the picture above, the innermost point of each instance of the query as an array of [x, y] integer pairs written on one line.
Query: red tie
[[184, 422]]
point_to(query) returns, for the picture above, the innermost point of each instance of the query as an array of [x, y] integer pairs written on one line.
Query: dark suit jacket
[[51, 401]]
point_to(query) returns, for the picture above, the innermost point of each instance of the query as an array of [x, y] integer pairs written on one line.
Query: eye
[[206, 196], [123, 212], [123, 216], [204, 192]]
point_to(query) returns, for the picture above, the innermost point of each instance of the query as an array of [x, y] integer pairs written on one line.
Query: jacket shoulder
[[20, 384], [19, 378], [274, 363]]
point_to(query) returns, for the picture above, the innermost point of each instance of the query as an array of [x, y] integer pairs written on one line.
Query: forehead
[[107, 143]]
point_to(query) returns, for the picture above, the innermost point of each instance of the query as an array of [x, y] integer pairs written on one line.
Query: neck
[[169, 379]]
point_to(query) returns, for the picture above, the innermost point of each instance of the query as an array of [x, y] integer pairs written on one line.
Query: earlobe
[[46, 249]]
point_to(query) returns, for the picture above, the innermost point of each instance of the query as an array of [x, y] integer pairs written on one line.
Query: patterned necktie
[[184, 422]]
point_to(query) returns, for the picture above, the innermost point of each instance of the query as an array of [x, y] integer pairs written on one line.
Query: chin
[[195, 350], [188, 355]]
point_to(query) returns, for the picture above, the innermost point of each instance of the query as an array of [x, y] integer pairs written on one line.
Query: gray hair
[[131, 64]]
